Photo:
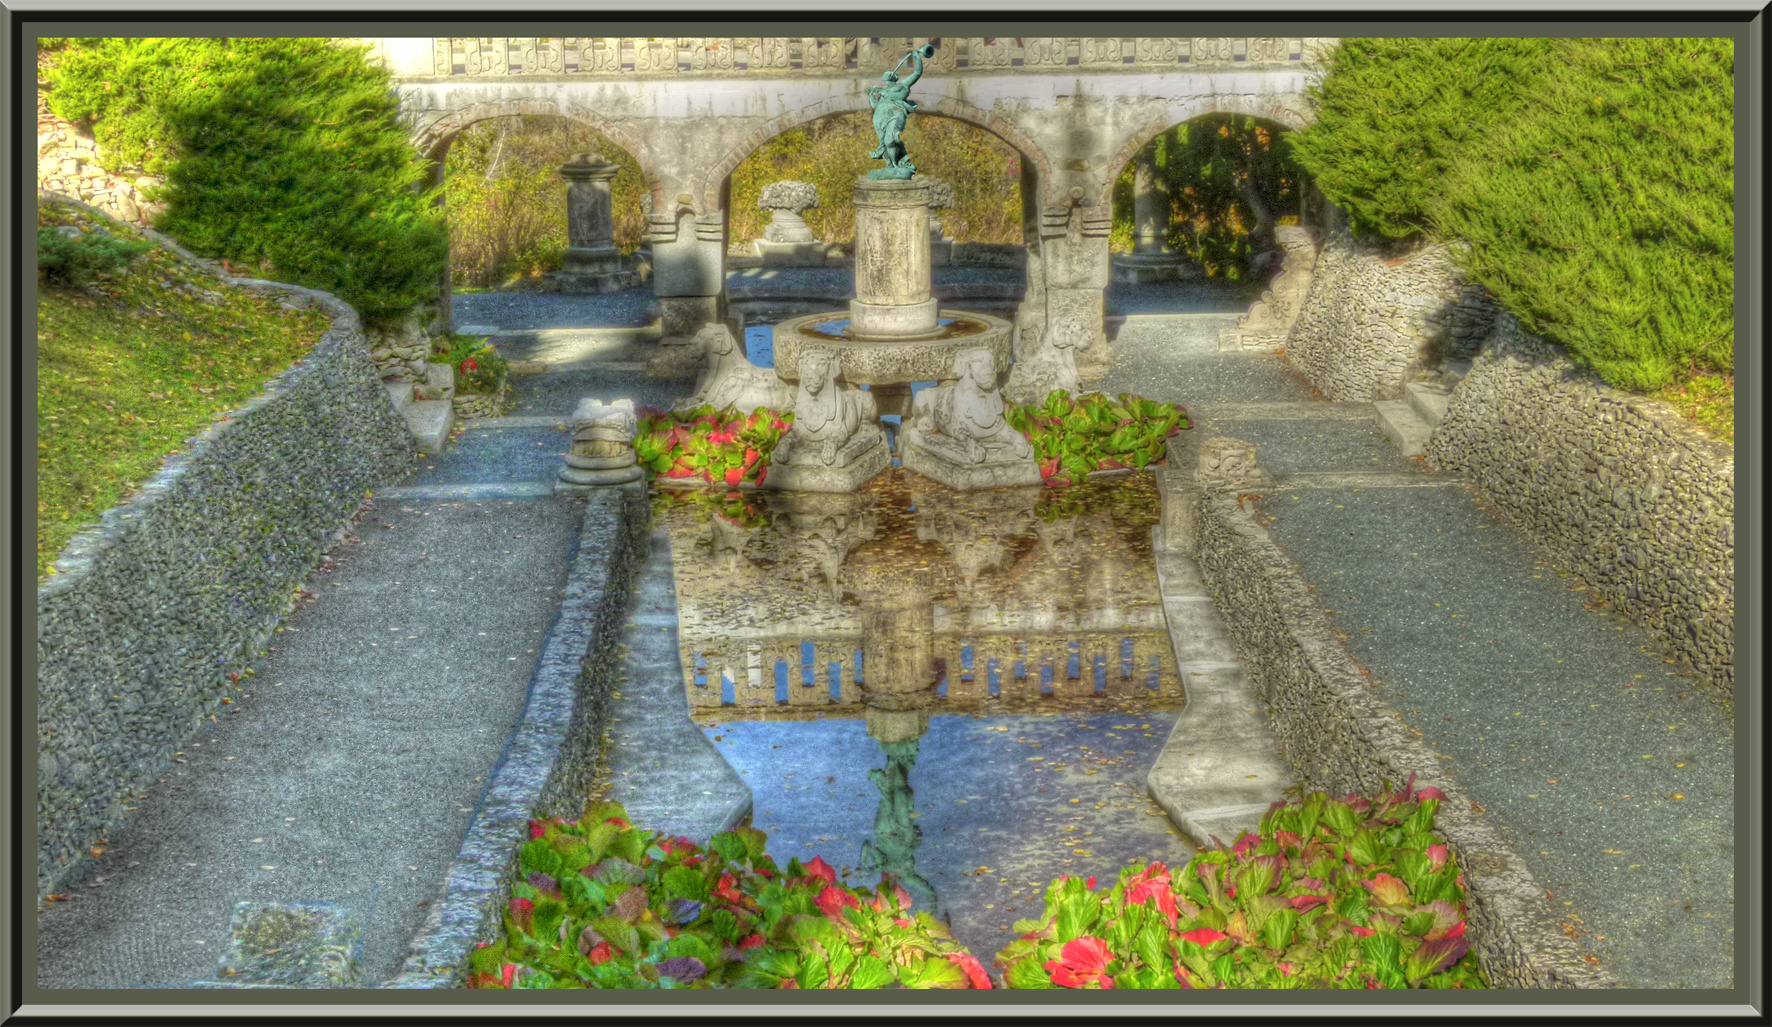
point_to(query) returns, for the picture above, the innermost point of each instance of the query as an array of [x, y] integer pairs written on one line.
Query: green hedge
[[282, 154], [1592, 179]]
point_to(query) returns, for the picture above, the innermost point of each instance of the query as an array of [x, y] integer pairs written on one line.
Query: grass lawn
[[1707, 401], [129, 368]]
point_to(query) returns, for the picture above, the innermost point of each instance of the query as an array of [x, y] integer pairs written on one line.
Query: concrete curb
[[1341, 739], [667, 774], [551, 756], [1220, 769]]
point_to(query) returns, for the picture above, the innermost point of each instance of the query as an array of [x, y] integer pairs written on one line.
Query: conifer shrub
[[281, 154], [1590, 181], [68, 256]]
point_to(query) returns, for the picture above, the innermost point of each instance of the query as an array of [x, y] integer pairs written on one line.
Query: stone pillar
[[592, 263], [892, 294], [689, 269], [1151, 259]]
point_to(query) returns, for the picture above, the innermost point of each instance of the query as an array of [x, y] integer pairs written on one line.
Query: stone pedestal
[[591, 262], [817, 477], [788, 240], [1151, 259], [955, 475], [602, 447], [892, 296]]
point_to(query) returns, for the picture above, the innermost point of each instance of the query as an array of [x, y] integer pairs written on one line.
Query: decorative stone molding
[[729, 379], [958, 434], [1268, 323], [602, 451]]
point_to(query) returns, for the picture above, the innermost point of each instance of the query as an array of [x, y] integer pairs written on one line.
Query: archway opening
[[830, 153], [1208, 193], [505, 200]]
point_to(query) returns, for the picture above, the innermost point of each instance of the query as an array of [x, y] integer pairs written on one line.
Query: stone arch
[[433, 139], [947, 107], [1254, 106]]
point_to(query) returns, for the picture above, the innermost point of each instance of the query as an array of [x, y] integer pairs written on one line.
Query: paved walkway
[[1613, 774], [348, 773]]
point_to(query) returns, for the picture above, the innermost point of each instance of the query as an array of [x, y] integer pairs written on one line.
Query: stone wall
[[1621, 490], [153, 611], [1339, 738], [548, 767], [1369, 321], [67, 164]]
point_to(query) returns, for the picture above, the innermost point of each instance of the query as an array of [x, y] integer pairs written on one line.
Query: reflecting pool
[[964, 690]]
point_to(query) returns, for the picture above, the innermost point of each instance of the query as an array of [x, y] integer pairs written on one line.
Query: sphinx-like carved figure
[[728, 379], [964, 421], [832, 426]]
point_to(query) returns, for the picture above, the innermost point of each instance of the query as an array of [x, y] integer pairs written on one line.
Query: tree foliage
[[832, 152], [1229, 180], [285, 154], [506, 201], [1591, 179]]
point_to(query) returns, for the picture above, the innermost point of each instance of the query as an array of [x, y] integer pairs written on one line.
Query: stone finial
[[602, 446], [788, 196], [1228, 464]]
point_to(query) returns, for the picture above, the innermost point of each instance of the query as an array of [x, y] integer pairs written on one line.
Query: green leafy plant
[[68, 256], [1328, 894], [720, 447], [479, 369], [600, 903], [1072, 437], [285, 155]]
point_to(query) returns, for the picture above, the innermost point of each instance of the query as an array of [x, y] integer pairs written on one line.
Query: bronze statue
[[892, 105]]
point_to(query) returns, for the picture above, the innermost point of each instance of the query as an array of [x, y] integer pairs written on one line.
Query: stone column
[[892, 294], [1073, 248], [689, 269], [592, 263], [1150, 208]]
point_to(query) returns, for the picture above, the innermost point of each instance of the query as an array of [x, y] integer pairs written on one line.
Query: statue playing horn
[[892, 105]]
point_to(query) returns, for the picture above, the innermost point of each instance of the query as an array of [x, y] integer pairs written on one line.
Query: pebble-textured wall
[[548, 766], [1369, 320], [1621, 490], [1341, 739], [179, 586]]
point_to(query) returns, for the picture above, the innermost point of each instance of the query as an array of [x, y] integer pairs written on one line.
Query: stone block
[[991, 474], [429, 421], [790, 254], [1406, 430], [1428, 401], [811, 477]]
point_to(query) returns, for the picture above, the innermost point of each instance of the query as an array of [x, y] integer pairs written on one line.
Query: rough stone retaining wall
[[67, 163], [1621, 490], [548, 764], [1341, 739], [1368, 321], [181, 584]]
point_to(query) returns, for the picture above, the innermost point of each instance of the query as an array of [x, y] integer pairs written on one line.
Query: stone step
[[1428, 401], [429, 421], [1402, 425], [400, 394]]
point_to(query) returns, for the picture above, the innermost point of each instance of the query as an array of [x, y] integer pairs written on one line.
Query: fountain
[[894, 332]]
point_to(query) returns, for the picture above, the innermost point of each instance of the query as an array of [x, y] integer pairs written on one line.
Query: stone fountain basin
[[892, 361]]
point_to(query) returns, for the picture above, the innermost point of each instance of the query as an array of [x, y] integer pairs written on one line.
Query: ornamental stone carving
[[1214, 49], [602, 447], [958, 434], [729, 379], [836, 442]]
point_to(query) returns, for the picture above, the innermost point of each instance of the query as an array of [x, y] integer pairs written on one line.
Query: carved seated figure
[[832, 426], [728, 379], [958, 435], [836, 441]]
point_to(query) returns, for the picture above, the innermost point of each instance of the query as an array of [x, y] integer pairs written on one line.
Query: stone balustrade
[[670, 57]]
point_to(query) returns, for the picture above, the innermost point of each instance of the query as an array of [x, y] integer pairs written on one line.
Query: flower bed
[[604, 904], [1330, 894], [1074, 437], [719, 447], [479, 369]]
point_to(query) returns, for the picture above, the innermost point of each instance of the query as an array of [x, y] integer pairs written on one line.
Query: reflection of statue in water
[[893, 849], [892, 105]]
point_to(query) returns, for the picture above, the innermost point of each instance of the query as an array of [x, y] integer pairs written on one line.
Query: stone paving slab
[[496, 456], [1292, 446], [1613, 775]]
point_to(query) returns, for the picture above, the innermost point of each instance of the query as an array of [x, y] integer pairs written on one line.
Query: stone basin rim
[[927, 358]]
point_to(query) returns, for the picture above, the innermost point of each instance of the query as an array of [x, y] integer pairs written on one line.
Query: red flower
[[751, 942], [1245, 842], [1436, 855], [788, 982], [601, 954], [522, 910], [1430, 792], [537, 829], [1304, 902], [820, 869], [1144, 891], [679, 471], [901, 921], [762, 472], [618, 822], [1456, 930], [734, 475], [832, 900], [468, 365], [750, 457], [726, 890], [1204, 936], [1091, 883], [974, 972]]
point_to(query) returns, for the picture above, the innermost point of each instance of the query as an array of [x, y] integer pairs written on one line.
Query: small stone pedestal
[[602, 448], [788, 241], [1151, 259], [892, 296], [592, 263]]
